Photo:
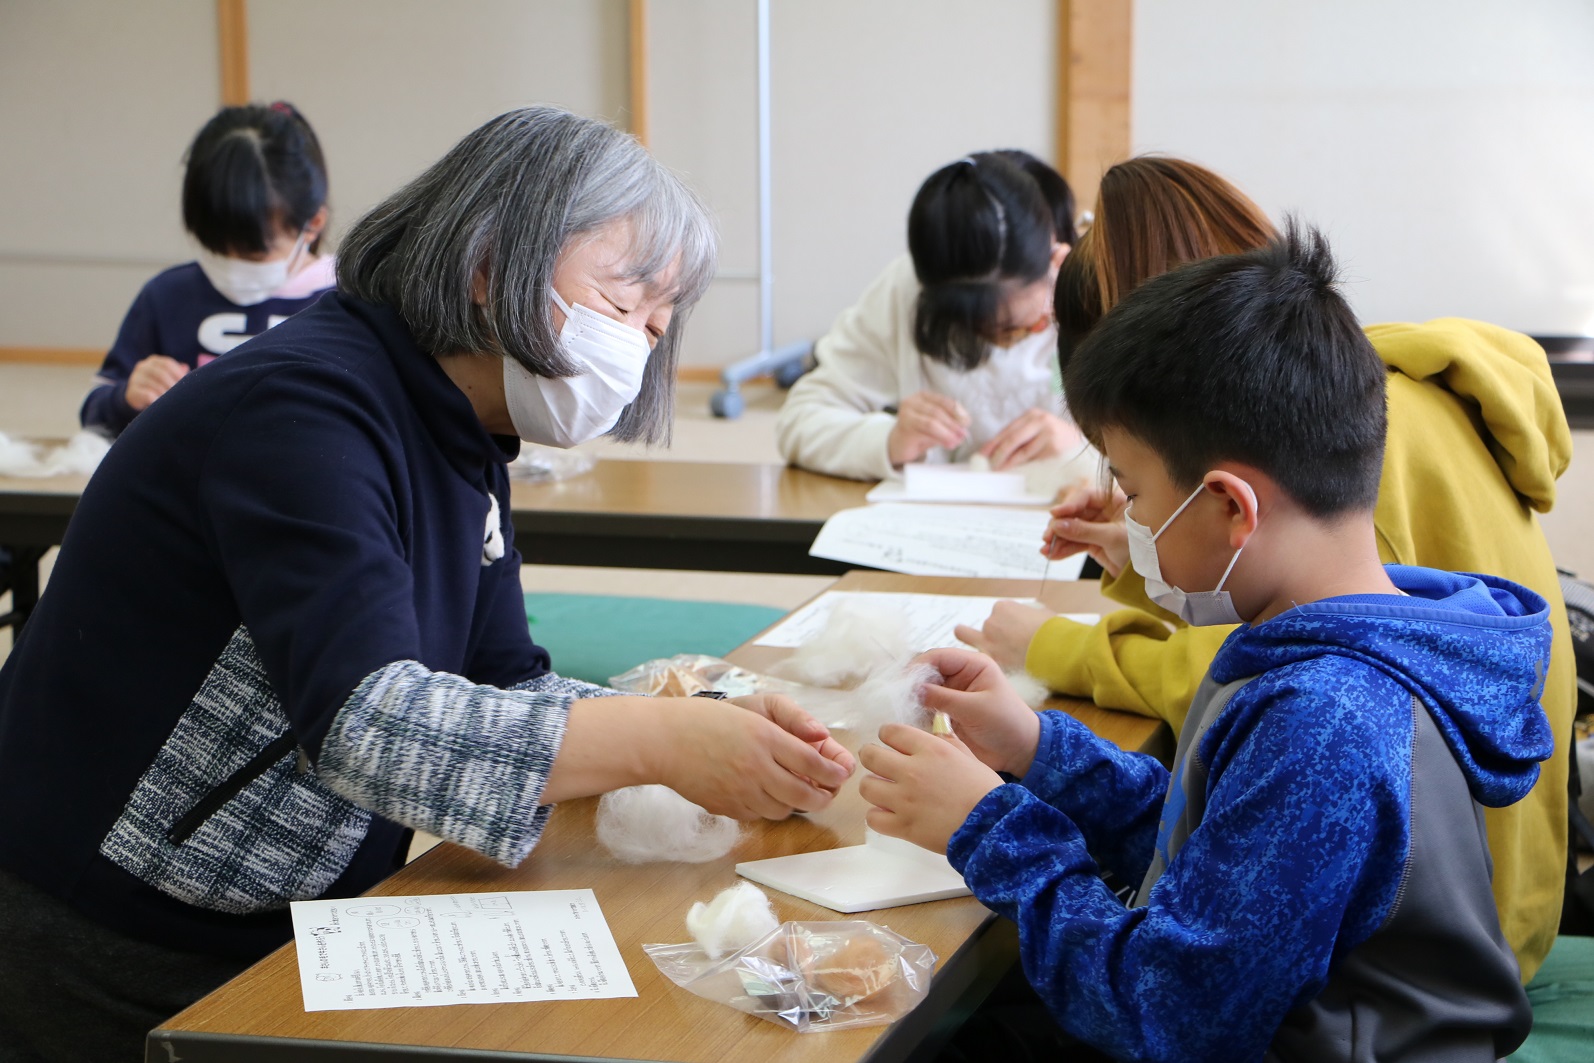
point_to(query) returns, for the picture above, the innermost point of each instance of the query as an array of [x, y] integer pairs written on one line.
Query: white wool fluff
[[642, 824], [80, 454], [890, 695], [734, 919], [860, 638], [1032, 690]]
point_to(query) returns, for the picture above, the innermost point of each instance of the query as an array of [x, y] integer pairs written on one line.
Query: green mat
[[1562, 995], [596, 636]]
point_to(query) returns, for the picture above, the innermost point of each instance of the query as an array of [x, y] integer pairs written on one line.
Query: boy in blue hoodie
[[1313, 876]]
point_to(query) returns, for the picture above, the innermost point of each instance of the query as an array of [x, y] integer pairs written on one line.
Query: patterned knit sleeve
[[441, 754]]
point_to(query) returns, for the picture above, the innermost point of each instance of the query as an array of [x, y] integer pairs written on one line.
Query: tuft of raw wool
[[860, 638], [643, 824], [734, 919], [81, 454], [1032, 690], [892, 694]]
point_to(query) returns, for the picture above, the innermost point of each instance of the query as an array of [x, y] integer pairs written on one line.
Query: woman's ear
[[1243, 507]]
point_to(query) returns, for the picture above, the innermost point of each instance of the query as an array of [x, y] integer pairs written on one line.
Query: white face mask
[[1199, 608], [245, 283], [567, 410]]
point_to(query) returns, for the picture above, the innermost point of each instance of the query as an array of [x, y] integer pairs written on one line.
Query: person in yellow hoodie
[[1477, 438]]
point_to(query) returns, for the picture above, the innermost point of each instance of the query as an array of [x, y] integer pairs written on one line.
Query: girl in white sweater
[[951, 351]]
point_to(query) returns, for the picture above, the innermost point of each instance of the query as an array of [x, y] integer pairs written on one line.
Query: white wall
[[98, 99], [1447, 146], [92, 131], [868, 98]]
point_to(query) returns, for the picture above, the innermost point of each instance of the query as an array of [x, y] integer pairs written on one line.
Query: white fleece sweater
[[835, 418]]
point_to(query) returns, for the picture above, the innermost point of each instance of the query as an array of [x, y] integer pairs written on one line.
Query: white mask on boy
[[245, 283], [1199, 608], [567, 410]]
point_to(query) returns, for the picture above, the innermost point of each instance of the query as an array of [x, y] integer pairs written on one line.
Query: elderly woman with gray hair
[[286, 626]]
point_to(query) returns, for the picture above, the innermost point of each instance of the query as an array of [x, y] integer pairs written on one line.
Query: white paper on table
[[881, 873], [459, 948], [931, 618], [989, 542], [961, 483]]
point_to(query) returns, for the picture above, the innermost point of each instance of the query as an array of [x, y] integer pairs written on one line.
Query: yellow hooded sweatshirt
[[1477, 439]]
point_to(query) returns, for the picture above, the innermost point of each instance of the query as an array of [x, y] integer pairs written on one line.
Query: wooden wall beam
[[232, 32], [1093, 90], [638, 46]]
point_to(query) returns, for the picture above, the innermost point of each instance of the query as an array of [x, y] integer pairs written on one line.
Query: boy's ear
[[1239, 498]]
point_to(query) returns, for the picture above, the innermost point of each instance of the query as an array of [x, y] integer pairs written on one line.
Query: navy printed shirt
[[180, 314]]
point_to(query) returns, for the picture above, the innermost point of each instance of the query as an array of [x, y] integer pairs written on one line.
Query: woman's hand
[[1006, 633], [151, 378], [762, 756], [925, 421], [789, 716], [922, 786], [986, 712], [1089, 519], [1033, 435]]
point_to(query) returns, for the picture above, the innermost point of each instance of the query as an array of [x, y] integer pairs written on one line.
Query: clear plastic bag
[[810, 977], [540, 464], [685, 674]]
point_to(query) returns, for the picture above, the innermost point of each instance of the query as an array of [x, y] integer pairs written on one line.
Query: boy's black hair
[[252, 171], [976, 228], [1254, 358]]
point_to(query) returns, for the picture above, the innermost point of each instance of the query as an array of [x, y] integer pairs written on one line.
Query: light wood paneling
[[232, 32], [52, 355], [638, 48], [1093, 82]]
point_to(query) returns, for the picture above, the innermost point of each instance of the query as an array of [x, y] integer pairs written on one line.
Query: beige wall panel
[[1444, 147], [98, 100], [390, 85], [869, 98]]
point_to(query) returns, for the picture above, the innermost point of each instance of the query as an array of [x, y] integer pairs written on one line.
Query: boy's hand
[[1032, 435], [1089, 519], [923, 786], [925, 421], [748, 764], [151, 378], [987, 714], [1006, 633]]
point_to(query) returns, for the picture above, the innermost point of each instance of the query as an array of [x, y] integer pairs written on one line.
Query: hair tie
[[281, 107], [968, 159]]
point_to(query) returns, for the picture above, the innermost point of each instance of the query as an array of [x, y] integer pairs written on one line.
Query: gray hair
[[504, 202]]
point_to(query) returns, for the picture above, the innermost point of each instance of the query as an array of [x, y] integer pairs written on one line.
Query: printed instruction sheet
[[931, 618], [990, 542], [460, 948]]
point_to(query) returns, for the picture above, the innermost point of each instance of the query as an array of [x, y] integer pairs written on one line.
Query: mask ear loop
[[1182, 507], [299, 247]]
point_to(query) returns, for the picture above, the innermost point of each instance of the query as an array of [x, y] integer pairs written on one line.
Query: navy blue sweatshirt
[[180, 314], [279, 632]]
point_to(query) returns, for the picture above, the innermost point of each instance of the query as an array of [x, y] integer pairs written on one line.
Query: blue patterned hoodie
[[1315, 879]]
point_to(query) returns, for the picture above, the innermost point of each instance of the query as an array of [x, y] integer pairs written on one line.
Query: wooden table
[[700, 516], [259, 1016]]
